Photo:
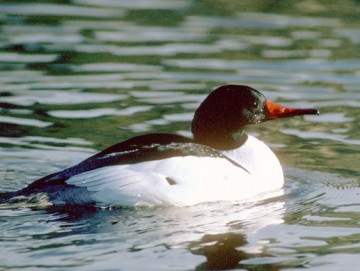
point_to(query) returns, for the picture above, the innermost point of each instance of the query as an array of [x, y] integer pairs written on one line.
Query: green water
[[78, 76]]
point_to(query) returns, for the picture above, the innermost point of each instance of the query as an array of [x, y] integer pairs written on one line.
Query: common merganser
[[221, 163]]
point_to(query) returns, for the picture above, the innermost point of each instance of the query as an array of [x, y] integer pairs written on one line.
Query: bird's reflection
[[225, 234], [224, 252]]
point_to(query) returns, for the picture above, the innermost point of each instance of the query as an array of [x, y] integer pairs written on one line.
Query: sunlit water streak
[[78, 77]]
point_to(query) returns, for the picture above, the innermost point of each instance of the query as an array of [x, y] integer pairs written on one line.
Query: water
[[78, 76]]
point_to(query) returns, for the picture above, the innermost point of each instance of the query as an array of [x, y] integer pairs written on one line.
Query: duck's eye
[[255, 104]]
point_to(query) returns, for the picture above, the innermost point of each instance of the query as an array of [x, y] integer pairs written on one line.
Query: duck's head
[[220, 119]]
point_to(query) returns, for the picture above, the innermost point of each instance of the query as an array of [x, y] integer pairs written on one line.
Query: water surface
[[78, 76]]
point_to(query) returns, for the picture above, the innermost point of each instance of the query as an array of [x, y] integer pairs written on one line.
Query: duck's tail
[[5, 196]]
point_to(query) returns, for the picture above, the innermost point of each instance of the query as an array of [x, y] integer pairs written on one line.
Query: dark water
[[77, 76]]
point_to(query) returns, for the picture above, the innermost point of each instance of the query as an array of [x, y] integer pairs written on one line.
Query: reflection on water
[[78, 76], [197, 230]]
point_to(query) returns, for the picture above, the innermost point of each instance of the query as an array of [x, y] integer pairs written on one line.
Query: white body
[[186, 180]]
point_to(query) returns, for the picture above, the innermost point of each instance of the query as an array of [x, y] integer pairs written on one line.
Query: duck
[[220, 163]]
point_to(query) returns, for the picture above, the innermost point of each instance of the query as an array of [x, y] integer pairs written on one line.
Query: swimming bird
[[220, 163]]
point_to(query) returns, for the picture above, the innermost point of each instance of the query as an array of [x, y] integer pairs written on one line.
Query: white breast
[[262, 163]]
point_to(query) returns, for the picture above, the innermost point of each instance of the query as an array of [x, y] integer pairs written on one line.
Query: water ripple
[[98, 112], [59, 10], [289, 65], [139, 4], [25, 58], [321, 135], [25, 121], [57, 97]]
